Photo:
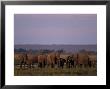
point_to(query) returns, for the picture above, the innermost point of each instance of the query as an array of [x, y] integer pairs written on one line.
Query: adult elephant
[[42, 60], [82, 59], [92, 60], [31, 60], [52, 59], [20, 59]]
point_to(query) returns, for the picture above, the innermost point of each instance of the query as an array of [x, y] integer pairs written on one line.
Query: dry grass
[[55, 72]]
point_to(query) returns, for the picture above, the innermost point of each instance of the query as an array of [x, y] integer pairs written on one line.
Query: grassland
[[55, 71]]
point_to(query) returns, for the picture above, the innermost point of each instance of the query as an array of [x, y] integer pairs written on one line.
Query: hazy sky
[[55, 28]]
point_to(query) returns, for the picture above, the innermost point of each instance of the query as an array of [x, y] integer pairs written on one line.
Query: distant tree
[[60, 51], [20, 50], [82, 51], [45, 51]]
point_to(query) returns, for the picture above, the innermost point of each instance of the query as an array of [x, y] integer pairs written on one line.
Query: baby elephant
[[61, 62]]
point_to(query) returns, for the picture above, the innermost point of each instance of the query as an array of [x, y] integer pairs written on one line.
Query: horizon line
[[55, 44]]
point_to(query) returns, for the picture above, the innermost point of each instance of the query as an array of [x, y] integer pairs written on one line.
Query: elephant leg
[[73, 64], [76, 64], [59, 64], [62, 65], [89, 63], [94, 65], [44, 64], [32, 65], [25, 64], [69, 65], [51, 65], [47, 65], [81, 65], [29, 65], [21, 64], [39, 64]]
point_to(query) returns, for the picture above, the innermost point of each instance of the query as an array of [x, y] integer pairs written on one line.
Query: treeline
[[38, 51], [22, 50]]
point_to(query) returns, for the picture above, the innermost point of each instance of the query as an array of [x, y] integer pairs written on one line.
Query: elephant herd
[[54, 60]]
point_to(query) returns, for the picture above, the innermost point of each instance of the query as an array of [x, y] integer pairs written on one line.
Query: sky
[[55, 29]]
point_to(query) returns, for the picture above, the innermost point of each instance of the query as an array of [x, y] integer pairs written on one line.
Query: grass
[[55, 71]]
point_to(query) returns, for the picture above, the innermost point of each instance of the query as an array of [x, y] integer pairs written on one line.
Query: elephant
[[77, 60], [42, 60], [20, 59], [24, 59], [61, 62], [92, 60], [52, 59], [82, 59], [70, 61], [31, 60]]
